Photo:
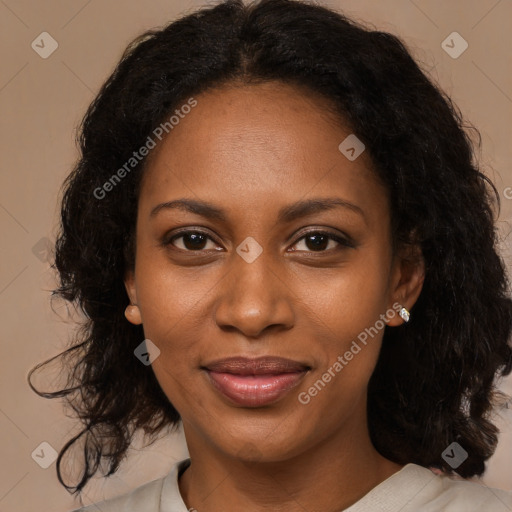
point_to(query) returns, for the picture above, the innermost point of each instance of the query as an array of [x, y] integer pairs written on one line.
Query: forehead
[[256, 145]]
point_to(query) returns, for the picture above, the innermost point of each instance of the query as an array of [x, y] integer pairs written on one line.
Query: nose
[[253, 297]]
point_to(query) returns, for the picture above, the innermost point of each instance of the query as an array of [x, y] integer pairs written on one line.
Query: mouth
[[250, 382]]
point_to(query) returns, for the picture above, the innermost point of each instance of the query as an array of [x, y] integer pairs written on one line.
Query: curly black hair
[[434, 382]]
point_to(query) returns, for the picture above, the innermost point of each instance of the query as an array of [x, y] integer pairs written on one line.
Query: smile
[[255, 390]]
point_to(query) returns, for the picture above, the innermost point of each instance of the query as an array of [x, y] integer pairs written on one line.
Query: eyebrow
[[286, 214]]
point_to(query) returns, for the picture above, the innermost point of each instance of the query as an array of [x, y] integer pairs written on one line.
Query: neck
[[329, 476]]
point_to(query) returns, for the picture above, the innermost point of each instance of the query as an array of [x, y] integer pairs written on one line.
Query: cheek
[[346, 348], [346, 308], [169, 296], [350, 298], [172, 320]]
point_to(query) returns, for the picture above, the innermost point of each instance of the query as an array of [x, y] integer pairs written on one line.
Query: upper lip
[[266, 365]]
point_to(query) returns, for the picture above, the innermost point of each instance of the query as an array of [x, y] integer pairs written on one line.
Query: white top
[[412, 489]]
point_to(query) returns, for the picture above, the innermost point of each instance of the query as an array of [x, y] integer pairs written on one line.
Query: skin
[[250, 151]]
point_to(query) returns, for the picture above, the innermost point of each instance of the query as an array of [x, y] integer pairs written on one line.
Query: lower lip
[[255, 390]]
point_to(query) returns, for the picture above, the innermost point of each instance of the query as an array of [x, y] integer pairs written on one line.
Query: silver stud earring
[[404, 315]]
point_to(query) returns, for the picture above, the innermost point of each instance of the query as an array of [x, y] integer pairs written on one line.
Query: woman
[[280, 239]]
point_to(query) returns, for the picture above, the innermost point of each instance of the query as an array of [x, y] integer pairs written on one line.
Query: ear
[[132, 312], [408, 275]]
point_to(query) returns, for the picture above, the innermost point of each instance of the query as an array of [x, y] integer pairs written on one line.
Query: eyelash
[[343, 242]]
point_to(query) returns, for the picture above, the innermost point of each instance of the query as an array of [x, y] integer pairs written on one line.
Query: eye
[[318, 241], [313, 241], [191, 241]]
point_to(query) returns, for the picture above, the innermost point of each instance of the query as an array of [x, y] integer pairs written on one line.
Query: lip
[[265, 365], [255, 382]]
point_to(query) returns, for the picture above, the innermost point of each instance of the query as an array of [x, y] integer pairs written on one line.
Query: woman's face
[[257, 279]]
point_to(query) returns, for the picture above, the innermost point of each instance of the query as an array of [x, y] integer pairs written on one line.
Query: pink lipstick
[[256, 382]]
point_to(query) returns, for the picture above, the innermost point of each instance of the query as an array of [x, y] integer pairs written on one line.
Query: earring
[[404, 315], [132, 314]]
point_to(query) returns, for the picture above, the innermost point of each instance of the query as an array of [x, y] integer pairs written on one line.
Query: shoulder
[[417, 489], [449, 494], [148, 497], [464, 495], [145, 498]]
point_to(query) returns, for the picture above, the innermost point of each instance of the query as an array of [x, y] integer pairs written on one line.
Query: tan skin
[[250, 151]]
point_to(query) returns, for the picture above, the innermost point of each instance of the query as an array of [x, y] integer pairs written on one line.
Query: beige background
[[42, 101]]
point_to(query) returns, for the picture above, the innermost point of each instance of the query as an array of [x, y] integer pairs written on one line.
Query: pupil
[[197, 241], [319, 241]]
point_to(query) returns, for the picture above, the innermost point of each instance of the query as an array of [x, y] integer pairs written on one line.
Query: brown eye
[[318, 241], [191, 241]]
